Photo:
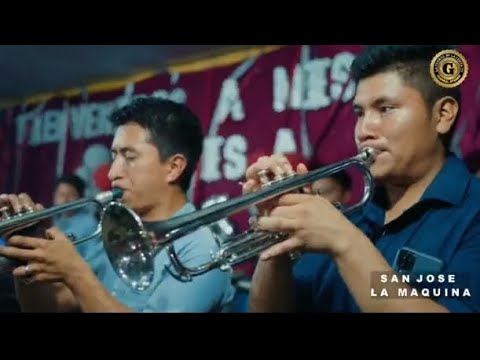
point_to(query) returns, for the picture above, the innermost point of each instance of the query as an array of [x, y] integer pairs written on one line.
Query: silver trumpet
[[13, 223], [131, 245], [10, 223]]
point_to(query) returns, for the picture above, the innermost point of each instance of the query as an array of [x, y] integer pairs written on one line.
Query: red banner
[[295, 100]]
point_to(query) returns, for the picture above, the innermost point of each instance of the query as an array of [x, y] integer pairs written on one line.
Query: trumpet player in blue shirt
[[155, 150], [424, 218]]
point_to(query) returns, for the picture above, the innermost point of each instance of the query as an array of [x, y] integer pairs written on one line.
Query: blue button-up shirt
[[209, 292], [444, 225]]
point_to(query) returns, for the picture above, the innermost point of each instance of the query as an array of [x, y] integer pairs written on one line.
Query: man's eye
[[386, 108]]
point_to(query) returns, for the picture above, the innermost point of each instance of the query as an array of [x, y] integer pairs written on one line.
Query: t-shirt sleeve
[[208, 292]]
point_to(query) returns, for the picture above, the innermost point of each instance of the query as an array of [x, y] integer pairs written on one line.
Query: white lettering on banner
[[236, 160], [97, 124], [47, 127], [21, 127], [315, 86], [280, 89], [178, 95], [211, 158], [229, 102], [79, 113], [340, 74], [314, 75], [91, 120], [226, 158], [36, 131], [285, 142], [87, 120], [233, 148]]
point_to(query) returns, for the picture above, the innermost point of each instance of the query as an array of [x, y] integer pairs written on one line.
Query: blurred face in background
[[65, 193]]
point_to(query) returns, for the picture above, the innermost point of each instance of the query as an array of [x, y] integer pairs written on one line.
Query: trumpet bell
[[128, 245]]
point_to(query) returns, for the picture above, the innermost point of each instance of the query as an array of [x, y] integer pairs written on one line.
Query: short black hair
[[412, 62], [74, 180], [173, 127]]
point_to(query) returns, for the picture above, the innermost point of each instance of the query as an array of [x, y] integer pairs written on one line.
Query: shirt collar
[[449, 186], [187, 208]]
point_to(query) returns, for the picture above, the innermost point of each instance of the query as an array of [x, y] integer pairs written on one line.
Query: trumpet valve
[[290, 174], [5, 213], [266, 181], [27, 209], [284, 176], [263, 175]]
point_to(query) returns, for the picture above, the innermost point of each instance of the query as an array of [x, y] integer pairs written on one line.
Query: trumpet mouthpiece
[[369, 154], [369, 151], [107, 196], [117, 193]]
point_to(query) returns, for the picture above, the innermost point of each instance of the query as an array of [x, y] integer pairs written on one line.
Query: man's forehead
[[378, 87], [130, 137], [131, 130]]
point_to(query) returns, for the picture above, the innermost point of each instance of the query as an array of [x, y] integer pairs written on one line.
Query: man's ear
[[177, 164], [445, 113]]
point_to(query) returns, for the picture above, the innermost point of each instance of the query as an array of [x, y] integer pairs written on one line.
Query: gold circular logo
[[449, 68]]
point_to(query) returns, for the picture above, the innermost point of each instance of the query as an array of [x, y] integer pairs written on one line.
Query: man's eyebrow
[[376, 102], [383, 99], [123, 149]]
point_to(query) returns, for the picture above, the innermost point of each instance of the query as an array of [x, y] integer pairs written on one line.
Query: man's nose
[[116, 170], [368, 128]]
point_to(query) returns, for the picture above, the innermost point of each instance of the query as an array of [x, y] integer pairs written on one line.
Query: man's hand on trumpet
[[313, 222], [314, 225], [55, 259], [49, 259], [14, 205], [275, 165]]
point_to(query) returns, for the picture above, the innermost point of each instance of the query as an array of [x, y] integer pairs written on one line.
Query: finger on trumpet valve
[[27, 209], [264, 178], [5, 210], [290, 173]]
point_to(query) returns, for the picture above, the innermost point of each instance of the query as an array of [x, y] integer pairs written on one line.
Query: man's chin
[[134, 206], [125, 200], [380, 171]]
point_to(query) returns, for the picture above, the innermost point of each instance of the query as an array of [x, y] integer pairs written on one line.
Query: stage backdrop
[[294, 100]]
